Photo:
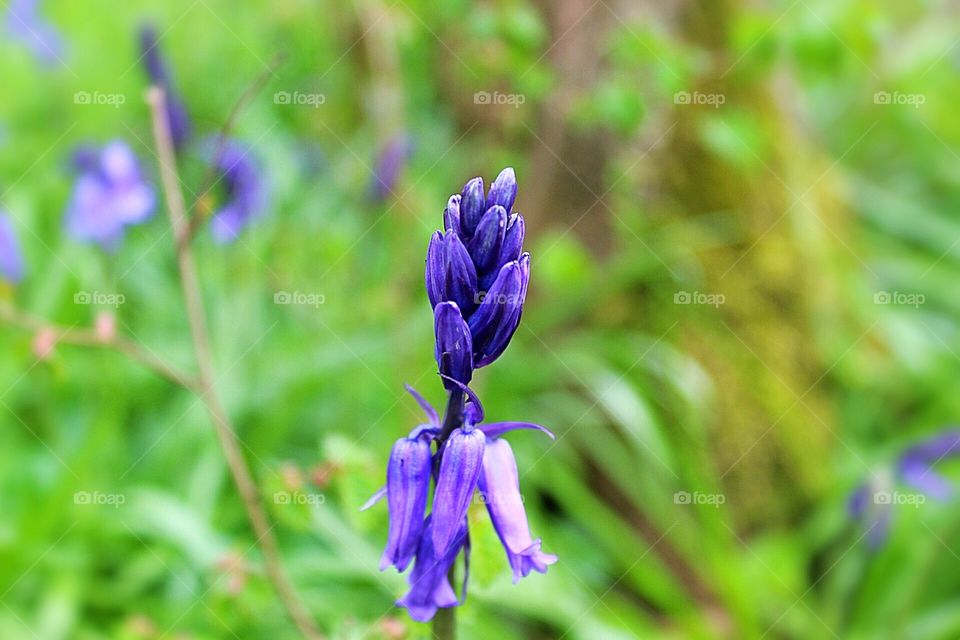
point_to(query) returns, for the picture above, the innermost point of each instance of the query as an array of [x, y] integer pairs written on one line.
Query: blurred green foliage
[[798, 200]]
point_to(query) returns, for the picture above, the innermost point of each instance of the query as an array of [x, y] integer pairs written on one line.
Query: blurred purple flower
[[27, 26], [110, 193], [11, 260], [872, 503], [389, 165], [157, 71], [244, 191]]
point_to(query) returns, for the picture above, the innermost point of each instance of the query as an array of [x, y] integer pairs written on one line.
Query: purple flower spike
[[243, 189], [460, 469], [11, 260], [109, 194], [454, 346], [177, 117], [500, 487], [430, 587], [408, 483], [503, 191]]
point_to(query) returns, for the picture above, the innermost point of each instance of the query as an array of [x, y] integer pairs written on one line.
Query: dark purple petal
[[503, 191], [460, 469], [430, 587], [242, 185], [426, 406], [472, 206], [436, 269], [500, 487], [451, 215], [484, 247], [11, 260], [460, 283], [512, 240], [408, 483], [496, 319], [496, 429], [454, 346]]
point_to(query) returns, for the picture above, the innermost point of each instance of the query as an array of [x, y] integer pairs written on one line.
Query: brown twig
[[196, 317], [83, 337], [195, 220]]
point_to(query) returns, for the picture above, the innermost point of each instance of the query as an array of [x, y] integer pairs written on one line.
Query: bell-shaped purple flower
[[460, 467], [500, 487], [430, 587], [11, 260], [244, 191], [408, 483], [110, 193], [454, 346], [177, 117]]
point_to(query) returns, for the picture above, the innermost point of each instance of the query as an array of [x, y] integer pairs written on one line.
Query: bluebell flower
[[109, 194], [389, 165], [11, 259], [478, 263], [177, 118], [873, 502], [244, 193], [25, 25]]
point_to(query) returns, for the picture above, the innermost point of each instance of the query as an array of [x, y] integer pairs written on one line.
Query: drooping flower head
[[25, 25], [476, 280], [11, 260], [156, 68], [240, 181], [873, 502], [109, 194]]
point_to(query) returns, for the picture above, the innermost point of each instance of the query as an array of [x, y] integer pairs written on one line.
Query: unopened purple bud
[[408, 483], [451, 215], [177, 118], [503, 191], [485, 245], [454, 344], [473, 204], [494, 322], [430, 587], [512, 240], [460, 469]]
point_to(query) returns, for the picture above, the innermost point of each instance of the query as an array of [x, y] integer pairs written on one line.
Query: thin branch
[[83, 337], [196, 219], [196, 317]]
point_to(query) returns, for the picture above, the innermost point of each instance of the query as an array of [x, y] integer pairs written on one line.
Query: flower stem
[[226, 435], [445, 624]]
